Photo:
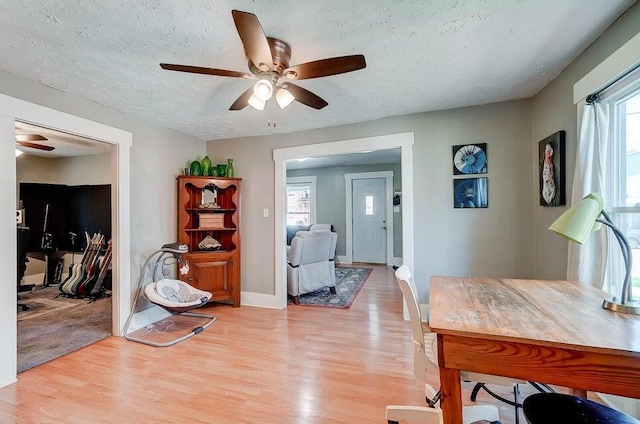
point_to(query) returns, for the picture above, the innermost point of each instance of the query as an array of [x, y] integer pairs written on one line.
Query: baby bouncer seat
[[162, 306]]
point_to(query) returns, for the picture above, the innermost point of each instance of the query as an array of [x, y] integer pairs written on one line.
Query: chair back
[[424, 342]]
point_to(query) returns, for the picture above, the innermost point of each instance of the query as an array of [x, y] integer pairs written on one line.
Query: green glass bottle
[[230, 171], [196, 169], [206, 166]]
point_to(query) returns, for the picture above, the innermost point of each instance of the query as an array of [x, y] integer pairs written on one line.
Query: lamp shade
[[284, 97], [577, 222], [256, 102], [263, 89]]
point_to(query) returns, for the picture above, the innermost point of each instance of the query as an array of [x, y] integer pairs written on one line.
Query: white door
[[369, 220]]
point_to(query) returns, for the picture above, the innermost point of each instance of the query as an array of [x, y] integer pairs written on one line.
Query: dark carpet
[[349, 281], [54, 326]]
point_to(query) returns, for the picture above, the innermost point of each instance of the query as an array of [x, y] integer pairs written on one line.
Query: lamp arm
[[626, 253]]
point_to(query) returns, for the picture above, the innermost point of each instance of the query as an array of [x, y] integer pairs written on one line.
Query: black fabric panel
[[71, 209]]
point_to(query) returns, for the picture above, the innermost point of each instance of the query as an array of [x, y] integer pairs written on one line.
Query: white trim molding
[[388, 193], [11, 110], [404, 141]]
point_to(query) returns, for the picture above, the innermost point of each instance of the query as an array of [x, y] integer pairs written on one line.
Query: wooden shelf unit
[[216, 271]]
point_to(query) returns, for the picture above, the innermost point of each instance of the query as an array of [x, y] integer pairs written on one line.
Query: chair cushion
[[293, 229], [175, 295]]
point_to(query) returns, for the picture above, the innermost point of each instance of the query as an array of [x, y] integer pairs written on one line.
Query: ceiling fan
[[27, 140], [268, 62]]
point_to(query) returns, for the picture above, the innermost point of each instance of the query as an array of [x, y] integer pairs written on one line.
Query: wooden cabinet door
[[213, 272]]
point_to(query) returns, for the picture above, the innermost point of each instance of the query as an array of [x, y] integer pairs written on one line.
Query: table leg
[[451, 392], [578, 392]]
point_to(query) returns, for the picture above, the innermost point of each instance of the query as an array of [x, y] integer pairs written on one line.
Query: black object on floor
[[557, 408]]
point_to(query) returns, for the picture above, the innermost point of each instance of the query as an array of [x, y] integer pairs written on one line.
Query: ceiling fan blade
[[206, 71], [326, 67], [305, 97], [242, 101], [35, 146], [30, 137], [256, 46]]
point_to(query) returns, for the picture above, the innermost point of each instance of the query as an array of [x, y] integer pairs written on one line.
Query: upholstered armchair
[[310, 264]]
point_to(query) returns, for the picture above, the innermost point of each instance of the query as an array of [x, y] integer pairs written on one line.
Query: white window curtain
[[587, 262]]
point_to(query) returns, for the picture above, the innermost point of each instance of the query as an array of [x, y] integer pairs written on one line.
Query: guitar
[[74, 268], [73, 256], [85, 287], [80, 269], [97, 290], [88, 269]]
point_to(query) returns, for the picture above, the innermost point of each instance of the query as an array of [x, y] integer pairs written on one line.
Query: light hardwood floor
[[298, 365]]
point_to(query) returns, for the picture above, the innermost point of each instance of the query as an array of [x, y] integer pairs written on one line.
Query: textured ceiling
[[421, 55]]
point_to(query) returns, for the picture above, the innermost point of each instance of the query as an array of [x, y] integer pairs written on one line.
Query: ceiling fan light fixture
[[256, 103], [263, 90], [284, 97]]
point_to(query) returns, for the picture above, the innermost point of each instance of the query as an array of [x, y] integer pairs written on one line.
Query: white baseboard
[[259, 300], [396, 261], [341, 260]]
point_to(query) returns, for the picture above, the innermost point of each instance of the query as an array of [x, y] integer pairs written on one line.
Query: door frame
[[404, 141], [348, 181], [12, 109]]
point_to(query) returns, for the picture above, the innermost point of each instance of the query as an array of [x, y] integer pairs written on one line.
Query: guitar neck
[[105, 263], [91, 242]]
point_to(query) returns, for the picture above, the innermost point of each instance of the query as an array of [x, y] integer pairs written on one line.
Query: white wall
[[78, 170], [157, 156], [553, 110], [484, 242]]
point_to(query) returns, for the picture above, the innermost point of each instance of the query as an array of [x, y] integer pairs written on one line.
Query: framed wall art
[[471, 193], [470, 159], [551, 157]]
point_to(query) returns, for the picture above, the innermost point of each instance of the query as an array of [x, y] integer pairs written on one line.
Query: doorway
[[369, 221], [369, 235], [12, 109], [404, 141], [64, 186]]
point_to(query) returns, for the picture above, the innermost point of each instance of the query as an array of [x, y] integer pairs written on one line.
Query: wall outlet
[[265, 212]]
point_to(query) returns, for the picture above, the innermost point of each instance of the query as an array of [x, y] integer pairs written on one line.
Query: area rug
[[349, 281], [54, 326], [42, 306]]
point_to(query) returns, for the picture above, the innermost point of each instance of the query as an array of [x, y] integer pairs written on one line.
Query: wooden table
[[552, 332]]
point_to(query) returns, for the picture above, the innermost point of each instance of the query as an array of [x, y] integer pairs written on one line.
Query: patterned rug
[[349, 281]]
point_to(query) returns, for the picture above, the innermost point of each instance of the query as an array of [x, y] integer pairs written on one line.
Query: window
[[301, 195], [368, 202], [624, 181]]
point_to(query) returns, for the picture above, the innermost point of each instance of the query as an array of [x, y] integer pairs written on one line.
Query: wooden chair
[[425, 353], [433, 414]]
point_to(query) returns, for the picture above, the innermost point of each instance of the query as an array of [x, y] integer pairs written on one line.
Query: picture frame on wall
[[551, 164], [470, 159], [471, 193]]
